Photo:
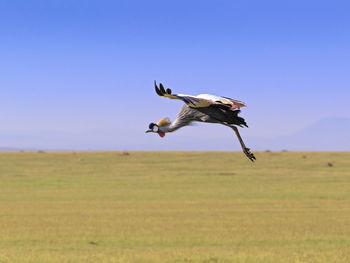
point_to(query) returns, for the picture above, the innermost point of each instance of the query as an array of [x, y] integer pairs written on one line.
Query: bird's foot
[[249, 154]]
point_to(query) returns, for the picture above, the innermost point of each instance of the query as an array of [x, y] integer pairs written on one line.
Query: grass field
[[174, 207]]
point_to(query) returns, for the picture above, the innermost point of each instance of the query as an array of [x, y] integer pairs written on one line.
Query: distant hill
[[329, 134]]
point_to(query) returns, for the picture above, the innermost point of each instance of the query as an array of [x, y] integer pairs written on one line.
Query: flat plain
[[174, 207]]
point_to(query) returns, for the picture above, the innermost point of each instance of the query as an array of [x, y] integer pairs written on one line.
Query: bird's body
[[188, 114], [202, 108]]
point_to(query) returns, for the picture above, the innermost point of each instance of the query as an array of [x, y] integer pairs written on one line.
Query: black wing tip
[[161, 87], [160, 90]]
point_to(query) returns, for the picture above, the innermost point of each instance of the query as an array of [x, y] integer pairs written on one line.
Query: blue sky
[[71, 69]]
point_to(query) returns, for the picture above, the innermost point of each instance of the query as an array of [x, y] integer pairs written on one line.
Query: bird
[[202, 108]]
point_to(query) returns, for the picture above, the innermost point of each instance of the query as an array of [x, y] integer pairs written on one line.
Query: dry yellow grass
[[174, 207]]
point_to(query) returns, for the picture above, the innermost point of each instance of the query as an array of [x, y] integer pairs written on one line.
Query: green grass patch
[[174, 207]]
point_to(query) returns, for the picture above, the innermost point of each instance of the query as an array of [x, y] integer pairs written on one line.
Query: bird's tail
[[236, 119]]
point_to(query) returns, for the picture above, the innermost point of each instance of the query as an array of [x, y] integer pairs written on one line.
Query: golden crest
[[164, 122]]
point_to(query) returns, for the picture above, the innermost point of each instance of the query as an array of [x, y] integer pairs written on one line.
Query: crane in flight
[[202, 108]]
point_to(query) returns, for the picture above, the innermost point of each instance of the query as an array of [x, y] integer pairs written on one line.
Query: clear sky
[[71, 69]]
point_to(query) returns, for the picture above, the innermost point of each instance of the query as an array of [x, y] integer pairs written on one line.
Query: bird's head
[[157, 127]]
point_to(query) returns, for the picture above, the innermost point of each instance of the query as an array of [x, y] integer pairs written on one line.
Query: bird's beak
[[148, 131]]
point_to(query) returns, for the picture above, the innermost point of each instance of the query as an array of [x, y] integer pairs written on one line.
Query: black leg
[[246, 150]]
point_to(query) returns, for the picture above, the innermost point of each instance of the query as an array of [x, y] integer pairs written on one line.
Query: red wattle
[[161, 134]]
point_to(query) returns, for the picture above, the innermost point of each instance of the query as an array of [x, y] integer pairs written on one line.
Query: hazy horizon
[[321, 136]]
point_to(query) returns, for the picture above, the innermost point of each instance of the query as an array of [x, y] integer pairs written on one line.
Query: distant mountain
[[329, 134]]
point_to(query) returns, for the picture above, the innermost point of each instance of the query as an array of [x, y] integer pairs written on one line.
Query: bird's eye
[[151, 125], [155, 128]]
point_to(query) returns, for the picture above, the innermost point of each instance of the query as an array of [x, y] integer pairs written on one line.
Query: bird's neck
[[169, 128]]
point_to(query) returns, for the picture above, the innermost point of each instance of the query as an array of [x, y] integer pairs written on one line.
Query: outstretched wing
[[191, 101], [200, 101], [236, 103]]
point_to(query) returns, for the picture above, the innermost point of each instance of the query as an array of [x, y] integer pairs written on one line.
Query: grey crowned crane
[[202, 108]]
